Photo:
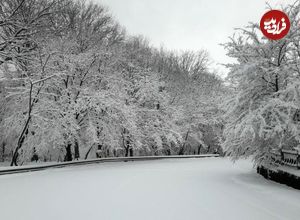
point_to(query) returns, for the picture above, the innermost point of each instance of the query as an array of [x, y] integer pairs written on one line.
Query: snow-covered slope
[[187, 189]]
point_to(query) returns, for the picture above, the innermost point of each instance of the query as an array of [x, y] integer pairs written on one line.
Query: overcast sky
[[189, 24]]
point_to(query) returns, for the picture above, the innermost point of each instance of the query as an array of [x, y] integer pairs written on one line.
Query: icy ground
[[175, 189]]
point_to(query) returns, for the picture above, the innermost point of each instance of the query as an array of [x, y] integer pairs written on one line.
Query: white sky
[[189, 24]]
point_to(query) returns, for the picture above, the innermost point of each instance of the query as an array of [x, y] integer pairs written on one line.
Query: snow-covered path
[[185, 189]]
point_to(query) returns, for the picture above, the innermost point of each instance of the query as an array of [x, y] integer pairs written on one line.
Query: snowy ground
[[185, 189]]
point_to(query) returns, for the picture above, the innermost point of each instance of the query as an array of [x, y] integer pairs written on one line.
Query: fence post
[[298, 159], [281, 157]]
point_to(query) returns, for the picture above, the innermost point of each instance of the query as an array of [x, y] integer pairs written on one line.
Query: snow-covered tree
[[194, 94], [262, 114]]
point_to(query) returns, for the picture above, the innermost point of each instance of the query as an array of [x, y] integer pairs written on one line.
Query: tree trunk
[[68, 156], [24, 131], [199, 149], [276, 83], [3, 151], [168, 152], [126, 151], [88, 152], [208, 149], [20, 143], [181, 150], [131, 152], [76, 150]]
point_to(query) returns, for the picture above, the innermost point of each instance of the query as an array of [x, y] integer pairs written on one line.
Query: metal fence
[[100, 160], [289, 158]]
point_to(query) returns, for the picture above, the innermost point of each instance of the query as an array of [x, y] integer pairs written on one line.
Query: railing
[[289, 158], [100, 160]]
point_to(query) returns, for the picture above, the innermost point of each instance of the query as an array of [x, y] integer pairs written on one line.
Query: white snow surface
[[172, 189]]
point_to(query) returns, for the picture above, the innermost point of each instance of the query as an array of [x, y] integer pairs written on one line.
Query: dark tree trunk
[[168, 152], [76, 151], [3, 151], [181, 150], [20, 144], [199, 149], [99, 152], [68, 156], [88, 152], [127, 148], [24, 131], [126, 151], [131, 152], [276, 83], [208, 149]]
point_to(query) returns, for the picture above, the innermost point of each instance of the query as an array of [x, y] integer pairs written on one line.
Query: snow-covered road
[[185, 189]]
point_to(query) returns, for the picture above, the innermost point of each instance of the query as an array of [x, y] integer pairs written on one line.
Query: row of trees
[[73, 84]]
